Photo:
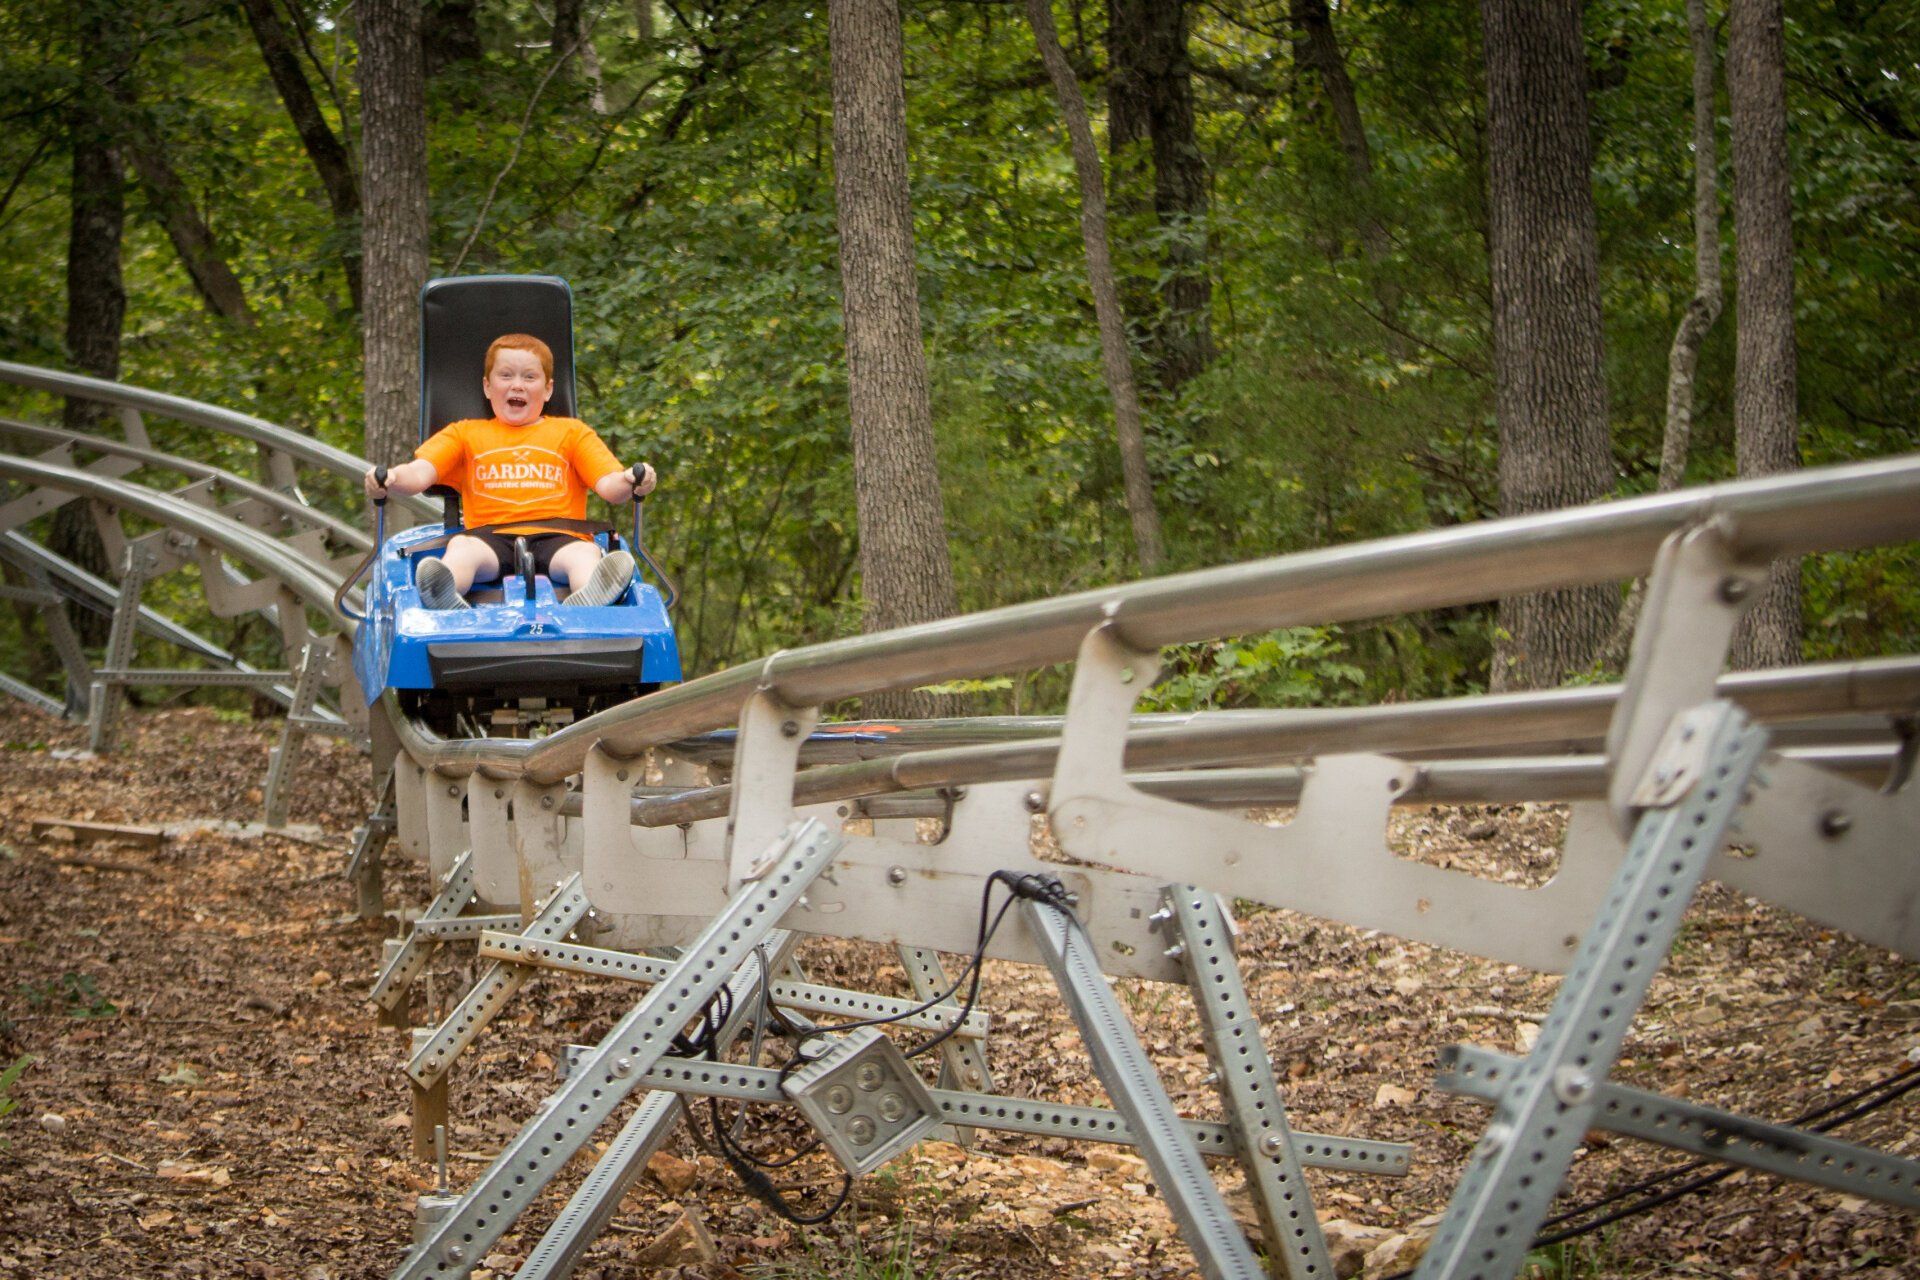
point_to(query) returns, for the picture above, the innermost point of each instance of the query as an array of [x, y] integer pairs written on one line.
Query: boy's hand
[[644, 480], [376, 478]]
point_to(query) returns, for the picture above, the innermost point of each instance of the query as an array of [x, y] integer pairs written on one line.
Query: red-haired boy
[[519, 467]]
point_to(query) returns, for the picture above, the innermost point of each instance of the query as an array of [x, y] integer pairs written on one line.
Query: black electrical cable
[[1898, 1084], [746, 1165], [1040, 888]]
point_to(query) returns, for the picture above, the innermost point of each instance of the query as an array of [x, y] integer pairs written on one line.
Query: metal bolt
[[805, 904], [1036, 802], [1572, 1085], [546, 802], [1161, 916], [975, 1077], [896, 875], [1734, 590], [1496, 1138], [499, 794], [1212, 1077], [1835, 823], [1271, 1145], [453, 788], [621, 774], [622, 1068], [456, 1254], [1126, 675], [790, 729], [1175, 951]]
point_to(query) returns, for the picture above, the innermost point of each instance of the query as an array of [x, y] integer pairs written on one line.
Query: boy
[[520, 467]]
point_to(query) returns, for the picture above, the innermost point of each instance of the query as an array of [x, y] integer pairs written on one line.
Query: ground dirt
[[208, 1093]]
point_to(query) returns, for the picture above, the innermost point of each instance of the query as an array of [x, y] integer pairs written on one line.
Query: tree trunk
[[1765, 410], [1319, 50], [393, 140], [450, 34], [1550, 389], [324, 149], [572, 46], [1703, 309], [906, 575], [1115, 356], [192, 238], [1150, 98], [96, 296]]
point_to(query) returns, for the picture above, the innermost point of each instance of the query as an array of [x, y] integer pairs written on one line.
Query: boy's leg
[[594, 580], [471, 561], [573, 564], [444, 582]]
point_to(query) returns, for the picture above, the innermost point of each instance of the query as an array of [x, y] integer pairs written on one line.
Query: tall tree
[[324, 148], [96, 292], [1703, 309], [192, 238], [1150, 102], [1319, 51], [1765, 378], [906, 573], [393, 146], [450, 34], [1115, 355], [1550, 389]]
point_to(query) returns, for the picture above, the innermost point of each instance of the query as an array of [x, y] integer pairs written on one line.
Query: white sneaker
[[608, 583], [437, 591]]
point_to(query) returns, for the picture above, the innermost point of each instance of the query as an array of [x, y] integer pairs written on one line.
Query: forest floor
[[209, 1095]]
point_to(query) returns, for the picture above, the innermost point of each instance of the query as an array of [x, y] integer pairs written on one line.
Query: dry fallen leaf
[[207, 1175]]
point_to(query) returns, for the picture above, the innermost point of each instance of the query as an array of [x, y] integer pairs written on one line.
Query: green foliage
[[75, 995], [1581, 1258], [693, 212], [888, 1257], [1300, 666], [10, 1077]]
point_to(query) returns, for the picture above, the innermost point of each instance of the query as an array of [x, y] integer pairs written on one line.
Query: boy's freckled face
[[518, 387]]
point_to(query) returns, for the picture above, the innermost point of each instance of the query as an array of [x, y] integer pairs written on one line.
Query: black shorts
[[543, 546]]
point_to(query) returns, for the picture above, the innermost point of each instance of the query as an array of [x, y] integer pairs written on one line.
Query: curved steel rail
[[339, 531], [306, 449], [309, 582], [1826, 509]]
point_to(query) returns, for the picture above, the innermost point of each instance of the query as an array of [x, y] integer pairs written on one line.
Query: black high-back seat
[[460, 316]]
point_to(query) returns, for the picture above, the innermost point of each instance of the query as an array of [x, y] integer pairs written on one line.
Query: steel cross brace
[[104, 697], [293, 734], [369, 842], [404, 965], [1552, 1098], [1709, 1132], [1124, 1068], [963, 1059], [1042, 1119], [1253, 1104], [65, 640], [636, 1043], [598, 1198], [498, 981], [466, 928], [805, 997]]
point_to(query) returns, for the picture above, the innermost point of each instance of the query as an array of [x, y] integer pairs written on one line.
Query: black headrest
[[461, 316]]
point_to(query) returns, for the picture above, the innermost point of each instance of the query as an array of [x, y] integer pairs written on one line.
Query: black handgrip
[[380, 478], [523, 564], [639, 473]]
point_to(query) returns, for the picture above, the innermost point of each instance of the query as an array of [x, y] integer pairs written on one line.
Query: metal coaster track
[[710, 818]]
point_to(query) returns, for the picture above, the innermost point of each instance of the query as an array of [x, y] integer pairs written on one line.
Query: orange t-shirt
[[537, 472]]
